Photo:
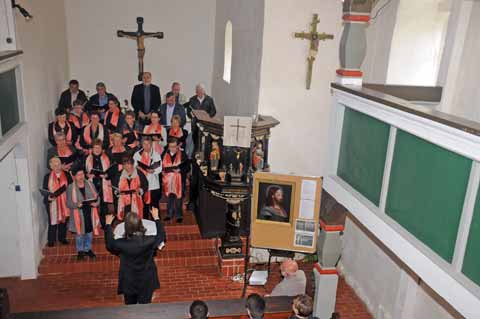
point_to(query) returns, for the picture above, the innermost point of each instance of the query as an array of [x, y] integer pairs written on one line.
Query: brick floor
[[187, 268]]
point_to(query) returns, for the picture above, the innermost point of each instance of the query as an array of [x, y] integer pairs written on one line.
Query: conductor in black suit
[[145, 99], [70, 95], [137, 277]]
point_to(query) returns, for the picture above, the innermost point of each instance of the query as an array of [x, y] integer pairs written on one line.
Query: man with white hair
[[201, 101], [294, 281]]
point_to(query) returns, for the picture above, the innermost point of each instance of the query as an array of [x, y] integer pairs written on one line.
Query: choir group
[[106, 160]]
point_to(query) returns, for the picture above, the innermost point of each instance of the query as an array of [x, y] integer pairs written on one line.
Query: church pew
[[277, 307]]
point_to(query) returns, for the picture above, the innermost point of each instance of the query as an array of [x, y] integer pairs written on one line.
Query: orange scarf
[[157, 129], [76, 120], [58, 207], [106, 184], [76, 211], [176, 132], [115, 115], [172, 181], [64, 151], [87, 133], [134, 199], [68, 133]]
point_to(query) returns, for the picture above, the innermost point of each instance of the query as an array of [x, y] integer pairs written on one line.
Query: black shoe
[[166, 219], [91, 254], [180, 220], [51, 244], [81, 255], [64, 242]]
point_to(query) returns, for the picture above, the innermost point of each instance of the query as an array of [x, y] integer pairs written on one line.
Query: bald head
[[289, 267]]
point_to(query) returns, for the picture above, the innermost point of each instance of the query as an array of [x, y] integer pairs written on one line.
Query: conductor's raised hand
[[154, 212], [109, 219]]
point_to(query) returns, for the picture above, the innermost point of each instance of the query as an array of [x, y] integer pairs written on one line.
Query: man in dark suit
[[145, 98], [70, 95], [201, 101], [169, 109], [99, 102]]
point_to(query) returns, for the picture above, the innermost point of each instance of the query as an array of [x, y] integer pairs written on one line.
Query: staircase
[[187, 268]]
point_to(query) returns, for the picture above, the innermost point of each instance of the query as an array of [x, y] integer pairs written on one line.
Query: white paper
[[237, 131], [309, 189], [307, 208]]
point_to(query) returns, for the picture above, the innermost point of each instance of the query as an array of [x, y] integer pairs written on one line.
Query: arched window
[[227, 66]]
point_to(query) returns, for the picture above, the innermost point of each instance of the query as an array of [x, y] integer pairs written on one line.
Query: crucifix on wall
[[237, 131], [314, 38], [140, 37]]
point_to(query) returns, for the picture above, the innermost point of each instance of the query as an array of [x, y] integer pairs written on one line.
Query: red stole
[[155, 129], [176, 132], [87, 133], [64, 152], [106, 184], [76, 120], [112, 117], [134, 199], [58, 207], [172, 181], [76, 212], [67, 130]]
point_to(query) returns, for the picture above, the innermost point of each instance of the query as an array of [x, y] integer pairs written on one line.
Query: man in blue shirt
[[99, 102], [171, 108]]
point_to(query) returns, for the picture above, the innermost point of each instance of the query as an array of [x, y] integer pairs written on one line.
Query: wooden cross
[[140, 36], [314, 38], [238, 126]]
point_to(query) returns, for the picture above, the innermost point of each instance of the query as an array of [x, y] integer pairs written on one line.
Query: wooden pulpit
[[222, 179]]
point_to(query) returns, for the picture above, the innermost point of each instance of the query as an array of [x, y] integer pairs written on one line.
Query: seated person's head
[[77, 106], [127, 162], [155, 117], [170, 98], [133, 225], [97, 146], [60, 139], [289, 267], [175, 121], [55, 164], [130, 117], [147, 144], [113, 104], [61, 115], [117, 139], [78, 173], [302, 306], [95, 118], [198, 310], [172, 144], [255, 306]]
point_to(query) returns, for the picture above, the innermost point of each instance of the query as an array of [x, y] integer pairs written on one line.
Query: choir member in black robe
[[94, 130], [70, 95], [61, 125], [114, 119], [201, 101], [130, 131], [136, 251], [99, 102], [97, 167], [118, 151], [66, 153], [175, 130], [145, 99], [78, 117], [56, 183]]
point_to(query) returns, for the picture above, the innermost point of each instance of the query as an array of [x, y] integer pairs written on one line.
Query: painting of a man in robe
[[274, 202]]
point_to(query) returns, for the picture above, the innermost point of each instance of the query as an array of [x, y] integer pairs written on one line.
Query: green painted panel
[[363, 150], [427, 190], [471, 262]]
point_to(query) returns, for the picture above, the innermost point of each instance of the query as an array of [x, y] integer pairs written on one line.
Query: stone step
[[174, 242], [106, 262]]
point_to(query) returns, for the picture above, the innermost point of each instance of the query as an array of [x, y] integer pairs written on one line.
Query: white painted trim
[[434, 271], [335, 140], [467, 216], [7, 26], [388, 167], [450, 138], [349, 80]]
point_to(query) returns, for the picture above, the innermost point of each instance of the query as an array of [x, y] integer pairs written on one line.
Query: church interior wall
[[388, 288], [299, 143], [45, 70], [97, 54], [240, 96]]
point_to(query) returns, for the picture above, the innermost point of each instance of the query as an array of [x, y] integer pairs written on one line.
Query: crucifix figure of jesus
[[140, 37], [314, 38], [238, 126]]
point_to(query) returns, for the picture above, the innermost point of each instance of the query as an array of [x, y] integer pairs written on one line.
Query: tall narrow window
[[227, 66]]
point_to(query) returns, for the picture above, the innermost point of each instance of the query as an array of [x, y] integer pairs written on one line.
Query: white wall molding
[[450, 138]]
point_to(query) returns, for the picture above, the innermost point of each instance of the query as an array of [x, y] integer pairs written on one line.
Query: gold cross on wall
[[314, 38]]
